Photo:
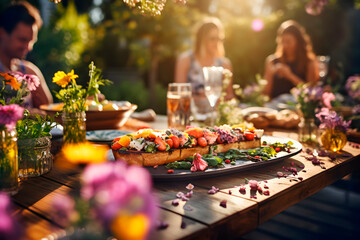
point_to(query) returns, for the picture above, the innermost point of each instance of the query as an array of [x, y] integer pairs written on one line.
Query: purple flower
[[63, 210], [10, 114], [30, 80], [353, 87], [116, 188], [331, 120], [9, 227]]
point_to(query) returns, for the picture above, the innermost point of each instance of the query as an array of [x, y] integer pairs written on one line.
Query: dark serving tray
[[161, 172]]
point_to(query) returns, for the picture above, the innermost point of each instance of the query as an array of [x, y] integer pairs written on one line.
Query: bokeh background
[[138, 52]]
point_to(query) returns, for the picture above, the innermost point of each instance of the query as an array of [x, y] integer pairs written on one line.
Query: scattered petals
[[266, 192], [175, 202], [213, 190], [190, 186], [253, 185], [223, 203], [162, 225]]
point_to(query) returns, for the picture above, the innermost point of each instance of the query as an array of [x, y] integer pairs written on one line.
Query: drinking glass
[[323, 65], [213, 87], [178, 105]]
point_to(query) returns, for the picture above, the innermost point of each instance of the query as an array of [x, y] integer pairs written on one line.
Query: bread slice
[[159, 158]]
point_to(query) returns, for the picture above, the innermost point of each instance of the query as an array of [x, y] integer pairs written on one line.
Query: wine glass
[[213, 87]]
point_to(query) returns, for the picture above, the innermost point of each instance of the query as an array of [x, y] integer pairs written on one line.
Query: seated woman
[[293, 63], [208, 51]]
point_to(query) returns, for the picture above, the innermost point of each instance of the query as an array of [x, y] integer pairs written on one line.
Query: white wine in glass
[[213, 87]]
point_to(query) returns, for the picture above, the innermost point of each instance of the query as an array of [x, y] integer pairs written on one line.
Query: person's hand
[[283, 70]]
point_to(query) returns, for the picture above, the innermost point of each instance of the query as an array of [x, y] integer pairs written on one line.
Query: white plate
[[104, 135]]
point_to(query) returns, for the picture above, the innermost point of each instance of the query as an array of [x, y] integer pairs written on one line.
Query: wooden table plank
[[37, 194], [203, 207], [35, 226], [180, 227]]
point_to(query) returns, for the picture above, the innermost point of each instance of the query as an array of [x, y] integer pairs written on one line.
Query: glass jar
[[333, 140], [9, 171], [74, 124], [308, 131], [35, 158]]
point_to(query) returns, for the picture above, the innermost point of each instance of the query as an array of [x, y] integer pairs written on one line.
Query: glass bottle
[[9, 171], [333, 140], [74, 124]]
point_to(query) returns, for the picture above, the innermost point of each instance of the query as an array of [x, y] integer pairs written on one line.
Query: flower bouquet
[[334, 136], [12, 92], [310, 98], [74, 98]]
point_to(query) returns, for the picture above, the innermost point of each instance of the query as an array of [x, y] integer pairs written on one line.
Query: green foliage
[[35, 126]]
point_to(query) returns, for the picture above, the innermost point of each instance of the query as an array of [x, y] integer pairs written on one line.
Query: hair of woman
[[304, 51], [202, 33]]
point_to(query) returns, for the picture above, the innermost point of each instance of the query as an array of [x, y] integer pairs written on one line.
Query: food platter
[[160, 173]]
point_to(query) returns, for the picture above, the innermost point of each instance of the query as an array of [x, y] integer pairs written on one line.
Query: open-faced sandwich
[[148, 147]]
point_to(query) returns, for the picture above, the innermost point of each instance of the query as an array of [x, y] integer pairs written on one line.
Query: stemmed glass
[[213, 87]]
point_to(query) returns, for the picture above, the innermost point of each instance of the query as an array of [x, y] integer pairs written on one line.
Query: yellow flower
[[130, 227], [62, 79], [10, 80], [80, 153]]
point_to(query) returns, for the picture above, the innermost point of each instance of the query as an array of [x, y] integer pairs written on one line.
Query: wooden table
[[201, 217]]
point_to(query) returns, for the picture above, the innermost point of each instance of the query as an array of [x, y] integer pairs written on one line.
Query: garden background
[[138, 52]]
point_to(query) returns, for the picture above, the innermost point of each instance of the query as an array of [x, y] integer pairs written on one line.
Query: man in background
[[19, 26]]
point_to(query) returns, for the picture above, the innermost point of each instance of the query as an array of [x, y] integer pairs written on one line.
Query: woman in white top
[[208, 51]]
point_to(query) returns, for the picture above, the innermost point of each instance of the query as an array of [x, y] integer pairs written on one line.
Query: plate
[[104, 135], [250, 110], [160, 173]]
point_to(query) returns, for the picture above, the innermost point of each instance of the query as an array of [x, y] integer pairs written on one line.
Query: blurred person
[[208, 51], [293, 63], [19, 26]]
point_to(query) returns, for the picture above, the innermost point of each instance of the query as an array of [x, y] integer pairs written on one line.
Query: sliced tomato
[[202, 141], [218, 140], [116, 145], [176, 141], [116, 139], [249, 136], [170, 142], [161, 144]]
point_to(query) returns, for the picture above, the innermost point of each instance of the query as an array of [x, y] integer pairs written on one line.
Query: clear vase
[[74, 124], [333, 140], [35, 158], [308, 131], [9, 171]]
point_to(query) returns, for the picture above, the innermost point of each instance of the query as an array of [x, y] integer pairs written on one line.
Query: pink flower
[[198, 163], [327, 98], [9, 227], [115, 187], [10, 114], [63, 210], [30, 80]]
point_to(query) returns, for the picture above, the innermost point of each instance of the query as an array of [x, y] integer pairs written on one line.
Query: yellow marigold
[[10, 80], [62, 79], [130, 227], [84, 153]]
